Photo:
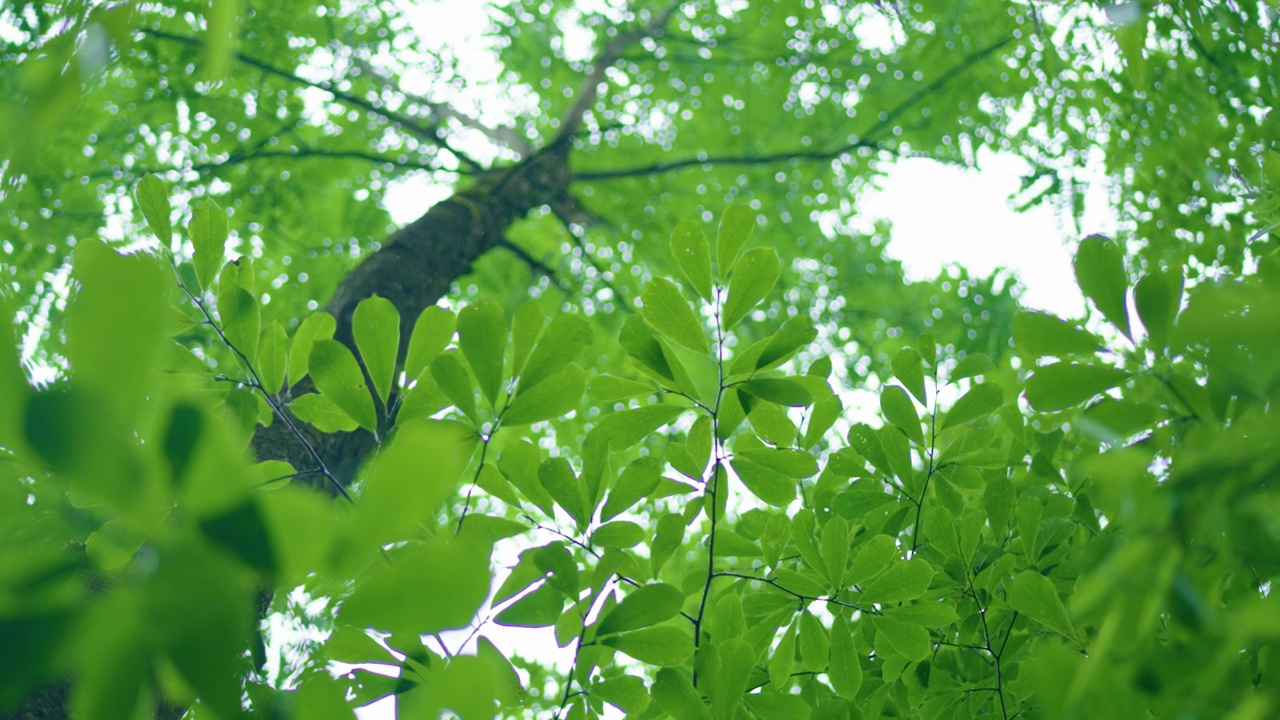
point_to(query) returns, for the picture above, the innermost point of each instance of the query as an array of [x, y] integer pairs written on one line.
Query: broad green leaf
[[1063, 385], [998, 500], [845, 668], [981, 400], [674, 694], [737, 660], [753, 278], [351, 644], [637, 340], [628, 427], [783, 391], [769, 485], [783, 659], [376, 328], [778, 706], [452, 379], [317, 326], [663, 645], [482, 336], [1158, 296], [153, 200], [540, 608], [565, 339], [337, 376], [928, 614], [422, 399], [899, 410], [971, 366], [814, 646], [627, 693], [609, 388], [208, 232], [557, 476], [822, 417], [432, 331], [1035, 596], [642, 607], [897, 451], [736, 225], [418, 470], [272, 358], [835, 549], [1111, 421], [493, 482], [902, 581], [1038, 333], [666, 540], [555, 397], [379, 601], [873, 557], [322, 412], [526, 328], [692, 252], [637, 480], [909, 640], [794, 334], [519, 463], [770, 421], [241, 319], [1099, 266], [666, 311], [618, 534], [907, 368], [792, 463]]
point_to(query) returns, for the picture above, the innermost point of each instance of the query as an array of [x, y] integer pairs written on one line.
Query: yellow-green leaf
[[376, 328], [337, 376], [482, 335], [753, 277], [666, 311]]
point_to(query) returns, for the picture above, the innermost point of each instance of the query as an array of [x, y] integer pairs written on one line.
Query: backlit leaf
[[376, 328], [666, 311], [642, 607], [482, 336], [1063, 385], [337, 376], [432, 331], [692, 252], [208, 232], [663, 645], [559, 394], [1099, 266], [753, 277]]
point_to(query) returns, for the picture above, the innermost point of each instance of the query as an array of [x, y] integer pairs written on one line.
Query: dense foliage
[[662, 458]]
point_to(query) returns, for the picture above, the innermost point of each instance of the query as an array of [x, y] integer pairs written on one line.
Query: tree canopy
[[614, 380]]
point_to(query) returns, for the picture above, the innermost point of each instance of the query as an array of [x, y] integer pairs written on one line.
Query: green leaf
[[770, 421], [902, 581], [153, 200], [873, 557], [337, 376], [271, 357], [637, 480], [666, 311], [565, 339], [736, 225], [637, 340], [692, 252], [1158, 296], [643, 607], [899, 410], [1034, 595], [379, 601], [519, 463], [629, 427], [753, 277], [824, 415], [241, 319], [663, 645], [555, 397], [981, 400], [526, 328], [1099, 266], [452, 379], [376, 328], [909, 640], [972, 365], [420, 467], [322, 412], [666, 540], [540, 608], [783, 660], [769, 485], [732, 677], [835, 549], [675, 695], [1063, 385], [928, 614], [814, 646], [482, 336], [783, 391], [778, 706], [907, 367], [845, 670], [792, 463], [627, 693], [557, 476], [431, 333], [1036, 334], [618, 534], [208, 232], [794, 334], [610, 388], [317, 326]]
